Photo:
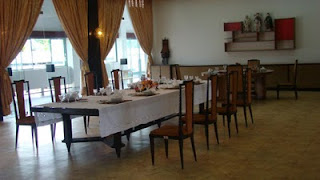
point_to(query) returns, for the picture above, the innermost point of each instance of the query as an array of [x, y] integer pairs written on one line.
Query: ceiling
[[49, 21]]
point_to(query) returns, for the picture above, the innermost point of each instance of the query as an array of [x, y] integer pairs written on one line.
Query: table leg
[[67, 127], [117, 144], [201, 108], [260, 85]]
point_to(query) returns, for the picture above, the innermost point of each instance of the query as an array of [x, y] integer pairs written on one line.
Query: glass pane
[[112, 56], [41, 52], [58, 54], [25, 62], [133, 55], [144, 60]]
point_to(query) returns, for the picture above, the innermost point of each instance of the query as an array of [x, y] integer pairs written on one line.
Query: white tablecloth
[[119, 117]]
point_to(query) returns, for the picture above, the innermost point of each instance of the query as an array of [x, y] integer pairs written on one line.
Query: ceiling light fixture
[[136, 3]]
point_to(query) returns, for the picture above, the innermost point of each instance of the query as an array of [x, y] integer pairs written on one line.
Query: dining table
[[134, 113]]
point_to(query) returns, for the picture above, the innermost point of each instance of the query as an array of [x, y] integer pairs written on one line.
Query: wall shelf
[[282, 38]]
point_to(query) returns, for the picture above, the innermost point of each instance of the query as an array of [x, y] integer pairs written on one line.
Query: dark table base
[[113, 141]]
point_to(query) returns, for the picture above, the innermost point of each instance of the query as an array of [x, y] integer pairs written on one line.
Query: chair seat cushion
[[168, 130], [201, 118], [26, 121], [223, 110]]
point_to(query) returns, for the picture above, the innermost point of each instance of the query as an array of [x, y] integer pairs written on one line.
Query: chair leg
[[159, 124], [32, 134], [250, 109], [166, 143], [17, 133], [296, 92], [52, 132], [278, 92], [236, 122], [245, 114], [88, 121], [193, 148], [216, 131], [152, 148], [207, 135], [36, 135], [181, 152], [85, 123], [229, 119], [128, 136]]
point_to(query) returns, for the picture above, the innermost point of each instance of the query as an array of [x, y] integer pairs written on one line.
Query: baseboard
[[299, 89]]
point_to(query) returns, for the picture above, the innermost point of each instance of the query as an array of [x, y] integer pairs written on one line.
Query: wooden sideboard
[[308, 77]]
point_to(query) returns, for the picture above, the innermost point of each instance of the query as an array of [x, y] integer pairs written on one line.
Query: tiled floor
[[283, 143]]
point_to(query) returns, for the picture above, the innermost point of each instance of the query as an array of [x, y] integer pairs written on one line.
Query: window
[[36, 53], [127, 47]]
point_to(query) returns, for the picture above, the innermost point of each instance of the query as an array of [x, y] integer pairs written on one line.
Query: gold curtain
[[17, 19], [110, 15], [142, 22], [73, 15]]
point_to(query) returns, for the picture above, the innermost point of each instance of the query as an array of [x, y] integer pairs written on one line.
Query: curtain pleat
[[73, 15], [110, 15], [142, 22], [17, 19]]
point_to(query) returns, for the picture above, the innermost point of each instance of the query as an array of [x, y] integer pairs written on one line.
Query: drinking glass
[[186, 77], [60, 98], [95, 91], [225, 67]]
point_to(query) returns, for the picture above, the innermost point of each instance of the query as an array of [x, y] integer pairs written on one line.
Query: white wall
[[195, 30]]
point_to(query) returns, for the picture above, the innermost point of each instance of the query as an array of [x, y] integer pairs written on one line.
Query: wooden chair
[[21, 116], [176, 67], [57, 87], [56, 83], [181, 131], [254, 65], [116, 79], [91, 83], [246, 99], [210, 115], [229, 105], [290, 85]]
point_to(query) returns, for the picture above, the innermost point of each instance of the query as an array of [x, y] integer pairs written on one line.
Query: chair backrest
[[239, 70], [248, 88], [232, 89], [254, 64], [57, 87], [91, 82], [295, 72], [188, 86], [19, 91], [177, 71], [116, 79], [212, 81], [222, 88]]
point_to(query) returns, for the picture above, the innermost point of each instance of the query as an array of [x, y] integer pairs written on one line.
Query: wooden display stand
[[282, 38]]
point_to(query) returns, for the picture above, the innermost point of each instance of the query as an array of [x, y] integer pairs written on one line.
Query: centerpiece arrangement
[[145, 85]]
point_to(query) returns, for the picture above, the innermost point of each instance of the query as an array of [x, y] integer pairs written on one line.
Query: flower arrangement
[[145, 84]]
